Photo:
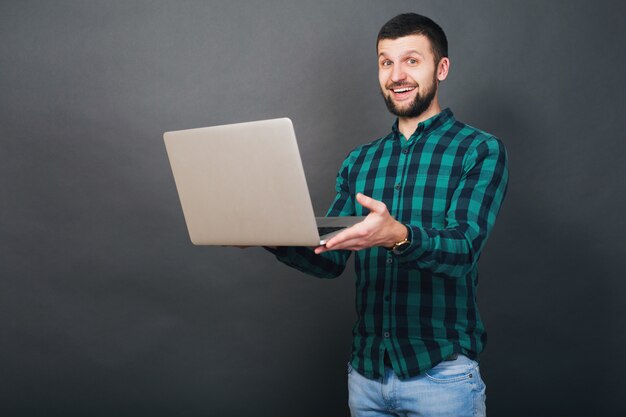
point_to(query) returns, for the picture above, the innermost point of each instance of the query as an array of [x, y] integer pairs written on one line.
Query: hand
[[379, 228]]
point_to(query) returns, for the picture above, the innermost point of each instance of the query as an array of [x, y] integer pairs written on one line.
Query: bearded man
[[431, 190]]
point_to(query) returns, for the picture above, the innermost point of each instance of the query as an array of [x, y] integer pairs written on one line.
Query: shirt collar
[[428, 125]]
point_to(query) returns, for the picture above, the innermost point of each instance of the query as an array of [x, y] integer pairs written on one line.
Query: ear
[[442, 68]]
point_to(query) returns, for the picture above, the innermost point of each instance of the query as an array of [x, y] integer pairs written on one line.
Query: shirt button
[[405, 151], [387, 298], [389, 260], [387, 335], [397, 186]]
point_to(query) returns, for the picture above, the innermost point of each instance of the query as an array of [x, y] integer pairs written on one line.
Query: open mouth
[[400, 92]]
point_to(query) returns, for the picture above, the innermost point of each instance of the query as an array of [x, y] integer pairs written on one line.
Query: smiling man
[[431, 190]]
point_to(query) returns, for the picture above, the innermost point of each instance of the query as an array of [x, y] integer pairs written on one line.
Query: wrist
[[399, 232]]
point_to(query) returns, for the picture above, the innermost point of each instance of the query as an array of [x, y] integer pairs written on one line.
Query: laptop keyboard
[[325, 230]]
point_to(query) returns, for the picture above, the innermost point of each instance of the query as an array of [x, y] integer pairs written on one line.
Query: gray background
[[107, 309]]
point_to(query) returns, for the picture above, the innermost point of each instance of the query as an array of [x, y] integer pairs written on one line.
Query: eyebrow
[[405, 53]]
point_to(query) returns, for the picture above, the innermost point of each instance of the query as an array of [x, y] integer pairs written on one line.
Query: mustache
[[401, 85]]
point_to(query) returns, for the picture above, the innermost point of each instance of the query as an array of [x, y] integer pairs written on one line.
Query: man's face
[[407, 74]]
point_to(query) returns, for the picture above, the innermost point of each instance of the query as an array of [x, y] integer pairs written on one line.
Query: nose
[[398, 73]]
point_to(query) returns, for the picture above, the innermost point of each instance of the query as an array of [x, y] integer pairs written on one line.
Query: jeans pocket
[[448, 372]]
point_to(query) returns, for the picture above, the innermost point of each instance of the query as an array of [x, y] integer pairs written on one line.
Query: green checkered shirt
[[446, 183]]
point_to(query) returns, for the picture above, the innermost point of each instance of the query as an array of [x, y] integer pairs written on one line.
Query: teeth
[[403, 90]]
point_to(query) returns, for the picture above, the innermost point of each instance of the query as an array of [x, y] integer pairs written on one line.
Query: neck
[[408, 125]]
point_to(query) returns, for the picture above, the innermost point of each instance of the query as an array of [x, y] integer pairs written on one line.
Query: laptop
[[243, 185]]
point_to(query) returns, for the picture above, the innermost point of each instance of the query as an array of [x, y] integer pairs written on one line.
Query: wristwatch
[[400, 246]]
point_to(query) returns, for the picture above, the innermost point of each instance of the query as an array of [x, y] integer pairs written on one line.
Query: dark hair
[[407, 24]]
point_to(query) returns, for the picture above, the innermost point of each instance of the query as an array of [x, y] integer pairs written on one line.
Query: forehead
[[405, 44]]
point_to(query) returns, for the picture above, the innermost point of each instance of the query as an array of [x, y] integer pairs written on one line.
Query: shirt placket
[[395, 209]]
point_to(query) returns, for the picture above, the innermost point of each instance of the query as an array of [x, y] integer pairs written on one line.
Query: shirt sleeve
[[328, 264], [454, 250]]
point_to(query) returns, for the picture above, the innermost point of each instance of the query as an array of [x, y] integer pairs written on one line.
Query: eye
[[412, 61], [385, 63]]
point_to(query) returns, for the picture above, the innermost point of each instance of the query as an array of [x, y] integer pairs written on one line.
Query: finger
[[354, 245], [371, 204], [350, 233], [320, 249], [351, 244]]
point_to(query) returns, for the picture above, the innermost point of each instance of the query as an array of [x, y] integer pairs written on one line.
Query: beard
[[420, 104]]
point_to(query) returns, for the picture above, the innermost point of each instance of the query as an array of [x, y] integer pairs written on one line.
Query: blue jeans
[[452, 388]]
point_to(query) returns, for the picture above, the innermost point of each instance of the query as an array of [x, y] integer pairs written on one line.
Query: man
[[431, 190]]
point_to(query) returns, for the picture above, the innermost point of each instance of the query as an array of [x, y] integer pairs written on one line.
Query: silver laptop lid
[[242, 184]]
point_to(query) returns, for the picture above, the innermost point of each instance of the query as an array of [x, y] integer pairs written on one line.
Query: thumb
[[371, 204]]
